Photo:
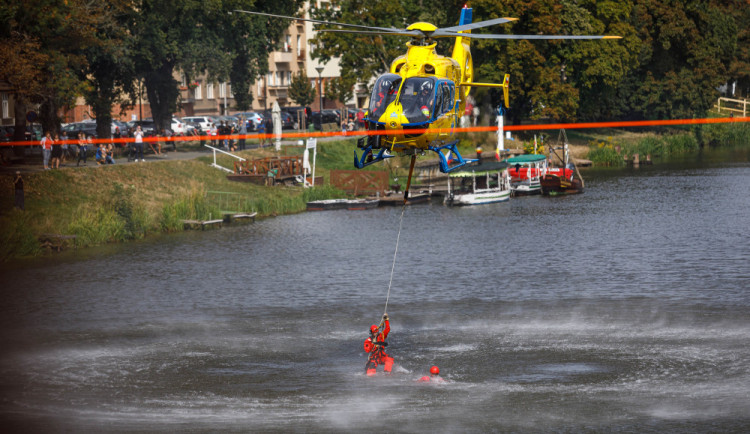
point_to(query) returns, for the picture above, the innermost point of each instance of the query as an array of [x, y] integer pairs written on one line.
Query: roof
[[479, 169], [526, 158]]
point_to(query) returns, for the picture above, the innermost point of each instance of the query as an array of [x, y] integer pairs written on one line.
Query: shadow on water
[[624, 308]]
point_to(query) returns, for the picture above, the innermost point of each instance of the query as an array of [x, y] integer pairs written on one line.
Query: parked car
[[287, 121], [294, 110], [87, 128], [177, 126], [331, 116], [253, 119], [203, 121], [6, 133]]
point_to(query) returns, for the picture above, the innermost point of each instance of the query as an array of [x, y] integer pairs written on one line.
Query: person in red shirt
[[375, 347]]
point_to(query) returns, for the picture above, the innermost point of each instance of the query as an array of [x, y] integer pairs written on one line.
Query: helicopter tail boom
[[505, 86]]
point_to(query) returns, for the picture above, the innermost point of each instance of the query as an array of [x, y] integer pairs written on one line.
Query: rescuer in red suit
[[375, 347]]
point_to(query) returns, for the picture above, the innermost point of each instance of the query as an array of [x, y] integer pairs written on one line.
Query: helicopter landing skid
[[444, 161], [369, 158]]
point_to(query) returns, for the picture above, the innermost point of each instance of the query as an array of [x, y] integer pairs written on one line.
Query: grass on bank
[[126, 202]]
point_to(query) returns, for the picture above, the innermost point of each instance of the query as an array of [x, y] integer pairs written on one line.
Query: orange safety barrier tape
[[305, 134]]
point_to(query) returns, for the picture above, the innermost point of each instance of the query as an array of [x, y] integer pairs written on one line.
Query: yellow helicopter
[[417, 105]]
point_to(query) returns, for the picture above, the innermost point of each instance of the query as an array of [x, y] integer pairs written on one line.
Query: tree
[[301, 90], [688, 47], [196, 37], [42, 44], [340, 89], [558, 79], [110, 70]]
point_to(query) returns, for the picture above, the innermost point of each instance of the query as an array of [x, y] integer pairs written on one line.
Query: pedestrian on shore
[[262, 132], [138, 134], [46, 143], [243, 132], [56, 152], [83, 149], [18, 189], [65, 147]]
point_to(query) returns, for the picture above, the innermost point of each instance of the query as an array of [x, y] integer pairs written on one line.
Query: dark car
[[331, 116], [6, 134], [287, 121], [295, 112], [87, 128]]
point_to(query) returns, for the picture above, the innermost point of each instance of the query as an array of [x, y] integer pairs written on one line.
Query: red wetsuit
[[377, 355]]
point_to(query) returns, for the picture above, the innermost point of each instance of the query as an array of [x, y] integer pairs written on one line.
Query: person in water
[[375, 347], [434, 376]]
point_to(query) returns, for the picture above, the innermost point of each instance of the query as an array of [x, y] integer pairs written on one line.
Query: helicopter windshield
[[418, 99], [383, 93]]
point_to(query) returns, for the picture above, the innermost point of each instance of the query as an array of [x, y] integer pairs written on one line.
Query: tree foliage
[[340, 89], [196, 37], [301, 90], [41, 50]]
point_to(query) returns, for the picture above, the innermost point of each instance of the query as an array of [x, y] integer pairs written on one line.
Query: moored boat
[[478, 185], [562, 181], [525, 173]]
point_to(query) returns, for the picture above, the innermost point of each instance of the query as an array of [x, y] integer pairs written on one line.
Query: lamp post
[[320, 92]]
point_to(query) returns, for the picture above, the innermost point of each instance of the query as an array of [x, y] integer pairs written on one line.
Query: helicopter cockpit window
[[447, 97], [418, 99], [383, 93]]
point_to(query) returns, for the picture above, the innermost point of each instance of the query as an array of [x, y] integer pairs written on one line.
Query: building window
[[288, 43], [210, 91], [299, 45], [6, 108], [259, 89], [198, 92], [222, 90], [289, 78]]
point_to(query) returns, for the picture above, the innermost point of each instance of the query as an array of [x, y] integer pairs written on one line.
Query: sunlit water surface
[[625, 308]]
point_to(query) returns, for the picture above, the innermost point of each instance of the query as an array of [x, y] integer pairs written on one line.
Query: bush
[[680, 143], [604, 154], [191, 207]]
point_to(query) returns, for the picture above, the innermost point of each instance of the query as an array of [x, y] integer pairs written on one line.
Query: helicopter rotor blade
[[382, 29], [472, 26], [396, 32], [495, 36]]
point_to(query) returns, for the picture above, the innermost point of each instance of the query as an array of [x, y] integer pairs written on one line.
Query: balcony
[[278, 91], [283, 57]]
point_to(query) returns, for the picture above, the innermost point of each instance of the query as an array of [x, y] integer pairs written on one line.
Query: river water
[[626, 308]]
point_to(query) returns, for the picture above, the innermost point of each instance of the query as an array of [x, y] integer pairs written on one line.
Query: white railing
[[734, 103], [218, 166]]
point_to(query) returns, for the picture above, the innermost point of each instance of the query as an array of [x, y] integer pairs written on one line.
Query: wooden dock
[[228, 218]]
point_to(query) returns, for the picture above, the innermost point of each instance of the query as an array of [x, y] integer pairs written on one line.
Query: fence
[[733, 105]]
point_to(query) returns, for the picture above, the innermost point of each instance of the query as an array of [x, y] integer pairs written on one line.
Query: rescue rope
[[400, 225], [393, 266]]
